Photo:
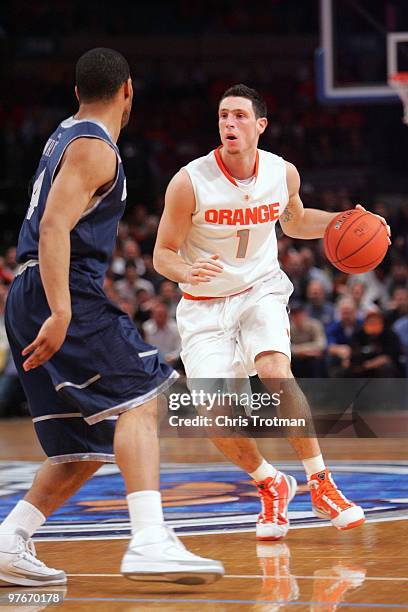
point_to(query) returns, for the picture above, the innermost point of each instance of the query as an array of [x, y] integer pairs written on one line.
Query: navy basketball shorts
[[103, 368]]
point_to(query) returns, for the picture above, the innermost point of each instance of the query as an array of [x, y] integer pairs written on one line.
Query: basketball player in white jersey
[[217, 240]]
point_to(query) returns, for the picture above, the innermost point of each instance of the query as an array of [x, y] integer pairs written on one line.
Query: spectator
[[398, 306], [375, 349], [131, 253], [293, 266], [12, 398], [400, 327], [129, 306], [358, 291], [151, 275], [127, 287], [398, 276], [313, 272], [376, 289], [5, 275], [4, 346], [149, 237], [339, 336], [308, 343], [317, 306], [170, 295], [145, 304], [161, 331], [10, 262]]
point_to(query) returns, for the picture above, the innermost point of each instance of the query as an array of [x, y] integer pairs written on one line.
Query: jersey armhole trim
[[111, 188], [285, 186], [196, 207]]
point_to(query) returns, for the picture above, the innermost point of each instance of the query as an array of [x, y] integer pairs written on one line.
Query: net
[[399, 82]]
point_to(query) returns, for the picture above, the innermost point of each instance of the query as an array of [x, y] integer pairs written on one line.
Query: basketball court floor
[[213, 507]]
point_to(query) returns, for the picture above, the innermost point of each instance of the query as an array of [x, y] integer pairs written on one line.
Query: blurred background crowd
[[183, 55]]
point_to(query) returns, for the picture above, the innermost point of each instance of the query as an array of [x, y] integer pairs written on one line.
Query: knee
[[140, 417], [273, 366]]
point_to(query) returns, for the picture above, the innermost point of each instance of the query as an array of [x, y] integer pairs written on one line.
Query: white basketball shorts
[[221, 338]]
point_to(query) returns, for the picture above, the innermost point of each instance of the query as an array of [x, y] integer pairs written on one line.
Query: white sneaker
[[156, 554], [20, 566]]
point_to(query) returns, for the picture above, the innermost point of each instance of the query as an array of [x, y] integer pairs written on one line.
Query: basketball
[[355, 241]]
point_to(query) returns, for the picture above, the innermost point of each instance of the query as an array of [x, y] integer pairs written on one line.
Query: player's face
[[238, 126]]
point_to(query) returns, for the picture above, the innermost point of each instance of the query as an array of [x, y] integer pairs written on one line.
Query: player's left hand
[[48, 341], [383, 221]]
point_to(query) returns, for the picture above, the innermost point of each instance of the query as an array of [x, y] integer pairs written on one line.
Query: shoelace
[[26, 550], [329, 489]]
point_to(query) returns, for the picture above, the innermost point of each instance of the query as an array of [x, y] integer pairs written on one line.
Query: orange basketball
[[355, 241]]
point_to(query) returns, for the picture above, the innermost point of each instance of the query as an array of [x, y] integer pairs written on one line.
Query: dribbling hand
[[383, 221], [48, 341], [203, 270]]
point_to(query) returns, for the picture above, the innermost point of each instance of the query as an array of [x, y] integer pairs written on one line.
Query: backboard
[[363, 42]]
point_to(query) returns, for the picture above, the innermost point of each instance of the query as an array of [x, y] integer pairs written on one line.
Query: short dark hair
[[242, 91], [99, 74]]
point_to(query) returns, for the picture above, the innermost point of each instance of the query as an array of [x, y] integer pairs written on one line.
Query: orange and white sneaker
[[276, 494], [328, 502]]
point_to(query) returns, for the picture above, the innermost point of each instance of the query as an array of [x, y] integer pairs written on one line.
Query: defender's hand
[[48, 341], [383, 221], [203, 270]]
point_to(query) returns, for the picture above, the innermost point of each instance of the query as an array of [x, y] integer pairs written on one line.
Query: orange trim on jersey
[[200, 298], [224, 170]]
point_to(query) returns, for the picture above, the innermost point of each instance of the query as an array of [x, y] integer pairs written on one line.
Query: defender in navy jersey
[[92, 383]]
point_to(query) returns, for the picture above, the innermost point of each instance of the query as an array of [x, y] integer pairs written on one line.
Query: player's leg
[[327, 500], [208, 357], [275, 489], [154, 552], [52, 486]]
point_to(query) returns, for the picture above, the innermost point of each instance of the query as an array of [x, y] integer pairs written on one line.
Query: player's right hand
[[203, 270], [48, 341]]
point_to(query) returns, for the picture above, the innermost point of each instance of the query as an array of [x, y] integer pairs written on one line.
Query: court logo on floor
[[203, 498]]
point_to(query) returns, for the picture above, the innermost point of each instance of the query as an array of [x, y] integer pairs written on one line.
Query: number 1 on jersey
[[243, 238]]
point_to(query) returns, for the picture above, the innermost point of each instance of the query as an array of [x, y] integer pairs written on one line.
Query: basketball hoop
[[399, 82]]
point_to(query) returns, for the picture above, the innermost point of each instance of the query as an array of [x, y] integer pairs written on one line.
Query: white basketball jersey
[[236, 221]]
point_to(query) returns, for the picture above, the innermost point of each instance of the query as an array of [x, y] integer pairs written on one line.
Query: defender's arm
[[88, 164]]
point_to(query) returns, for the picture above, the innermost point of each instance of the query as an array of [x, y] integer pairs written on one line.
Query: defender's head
[[241, 118], [103, 75]]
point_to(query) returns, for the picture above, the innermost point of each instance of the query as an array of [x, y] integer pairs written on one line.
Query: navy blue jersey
[[93, 238], [103, 368]]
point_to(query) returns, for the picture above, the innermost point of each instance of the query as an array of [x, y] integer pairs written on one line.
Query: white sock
[[145, 508], [24, 516], [313, 465], [265, 470]]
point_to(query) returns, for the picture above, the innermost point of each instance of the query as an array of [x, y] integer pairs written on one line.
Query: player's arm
[[306, 223], [173, 229], [297, 221], [87, 165]]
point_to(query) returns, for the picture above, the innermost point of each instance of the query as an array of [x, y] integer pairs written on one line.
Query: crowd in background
[[341, 325], [183, 56], [176, 95]]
